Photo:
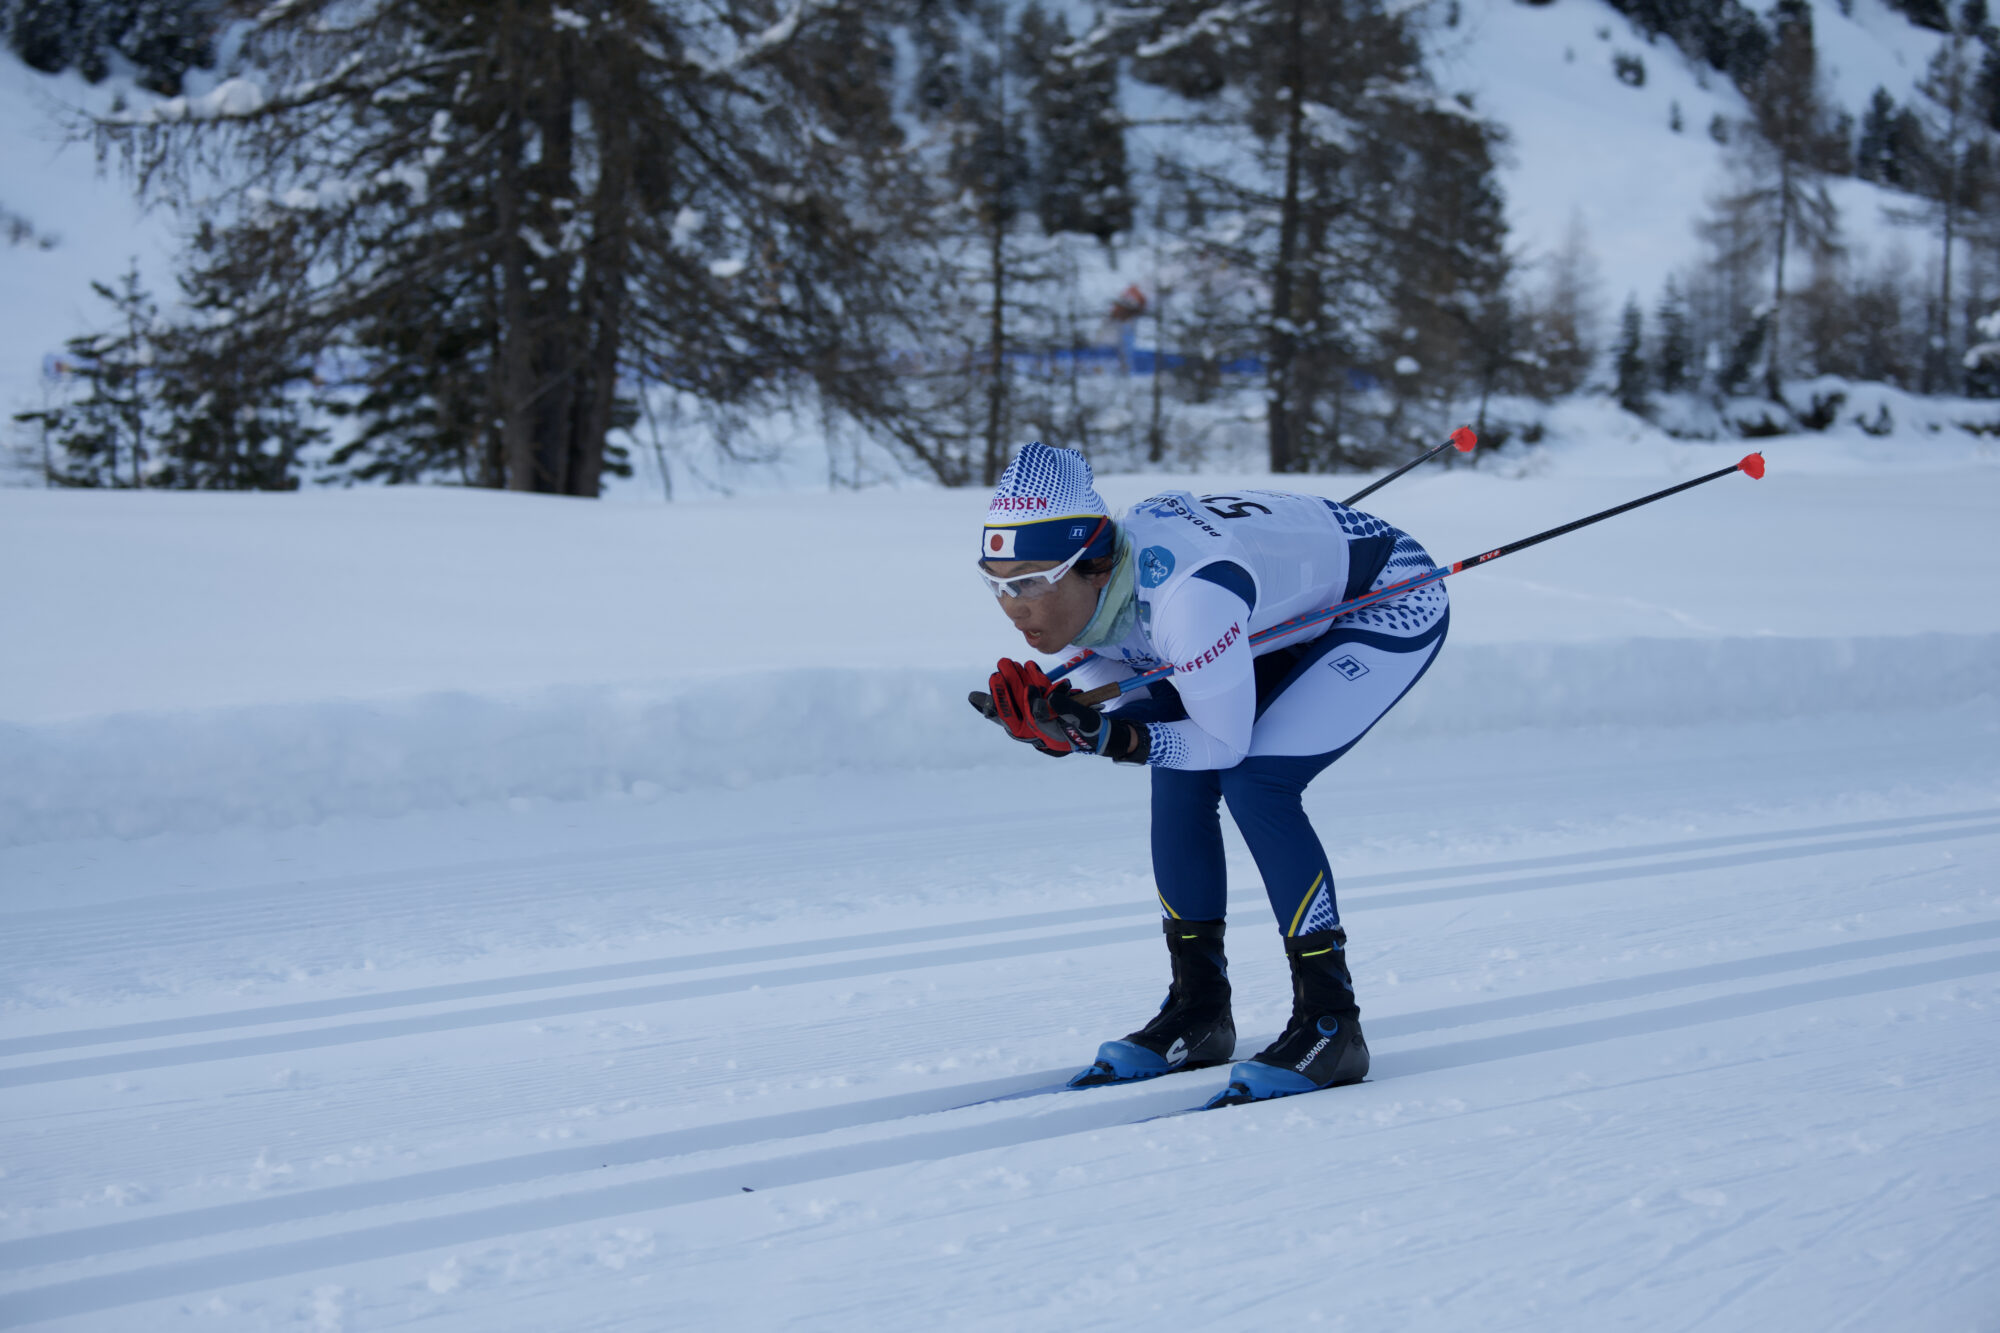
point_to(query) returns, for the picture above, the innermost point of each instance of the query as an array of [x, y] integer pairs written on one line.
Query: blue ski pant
[[1314, 703]]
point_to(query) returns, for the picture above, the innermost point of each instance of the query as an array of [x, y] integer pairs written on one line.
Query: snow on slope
[[187, 660], [1586, 146]]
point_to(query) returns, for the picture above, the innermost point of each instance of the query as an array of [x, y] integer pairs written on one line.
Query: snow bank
[[190, 661], [139, 774]]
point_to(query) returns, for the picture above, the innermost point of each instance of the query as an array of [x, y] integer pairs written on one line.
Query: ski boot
[[1322, 1047], [1193, 1028]]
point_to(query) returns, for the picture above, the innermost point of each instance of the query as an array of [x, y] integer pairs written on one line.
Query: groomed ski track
[[1646, 1028]]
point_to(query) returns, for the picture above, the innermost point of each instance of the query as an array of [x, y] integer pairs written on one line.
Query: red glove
[[1016, 687], [1052, 718]]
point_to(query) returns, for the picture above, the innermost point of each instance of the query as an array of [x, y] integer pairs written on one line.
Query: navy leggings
[[1303, 698]]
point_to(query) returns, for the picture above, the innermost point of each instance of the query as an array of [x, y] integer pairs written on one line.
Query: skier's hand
[[1052, 718], [1061, 712], [1012, 684]]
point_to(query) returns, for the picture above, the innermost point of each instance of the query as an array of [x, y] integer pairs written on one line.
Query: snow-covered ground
[[481, 913]]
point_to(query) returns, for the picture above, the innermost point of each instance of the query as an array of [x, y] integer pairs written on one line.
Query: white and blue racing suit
[[1251, 725]]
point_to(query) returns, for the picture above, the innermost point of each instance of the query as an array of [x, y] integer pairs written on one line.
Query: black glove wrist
[[1126, 742]]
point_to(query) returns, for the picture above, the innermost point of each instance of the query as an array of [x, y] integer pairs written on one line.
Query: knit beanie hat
[[1046, 508]]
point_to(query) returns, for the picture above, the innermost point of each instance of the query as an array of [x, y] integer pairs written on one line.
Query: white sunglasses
[[1042, 582]]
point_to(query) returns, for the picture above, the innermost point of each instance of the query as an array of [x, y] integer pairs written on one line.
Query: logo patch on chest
[[1156, 565]]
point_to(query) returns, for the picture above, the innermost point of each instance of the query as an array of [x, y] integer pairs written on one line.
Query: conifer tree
[[1629, 359], [107, 437], [164, 39], [1791, 144], [1986, 88], [1365, 203], [1563, 318], [1081, 183], [1891, 148], [645, 192], [973, 96], [1674, 352], [1737, 368], [235, 410], [1950, 175], [1932, 14], [1725, 34], [991, 164]]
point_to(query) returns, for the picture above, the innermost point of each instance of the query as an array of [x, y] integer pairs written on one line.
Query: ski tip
[[1754, 465], [1103, 1073], [1464, 439], [1236, 1094]]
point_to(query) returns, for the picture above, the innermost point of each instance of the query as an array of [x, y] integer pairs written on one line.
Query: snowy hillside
[[1586, 146], [395, 935]]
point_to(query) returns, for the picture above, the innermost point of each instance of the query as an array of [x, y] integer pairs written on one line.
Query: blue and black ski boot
[[1193, 1029], [1322, 1047]]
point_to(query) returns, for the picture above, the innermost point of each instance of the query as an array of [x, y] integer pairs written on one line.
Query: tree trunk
[[513, 362], [1941, 353], [1284, 336], [134, 336], [996, 355], [1938, 355], [604, 288], [1772, 388], [560, 336]]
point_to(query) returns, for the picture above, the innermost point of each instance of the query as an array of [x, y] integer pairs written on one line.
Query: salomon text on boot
[[1322, 1047], [1193, 1028]]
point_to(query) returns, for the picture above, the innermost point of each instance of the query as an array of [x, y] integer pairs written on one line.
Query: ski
[[1217, 1102], [1041, 1091]]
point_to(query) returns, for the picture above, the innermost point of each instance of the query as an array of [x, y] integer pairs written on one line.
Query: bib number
[[1238, 508]]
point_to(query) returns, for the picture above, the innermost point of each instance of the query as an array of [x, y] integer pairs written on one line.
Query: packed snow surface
[[479, 913]]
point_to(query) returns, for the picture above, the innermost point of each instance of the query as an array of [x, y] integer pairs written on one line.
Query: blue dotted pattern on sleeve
[[1165, 747]]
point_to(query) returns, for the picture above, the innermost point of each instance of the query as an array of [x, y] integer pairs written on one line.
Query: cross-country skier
[[1185, 580]]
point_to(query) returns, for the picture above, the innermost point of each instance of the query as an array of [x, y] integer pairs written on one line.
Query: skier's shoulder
[[1169, 515], [1356, 522], [1173, 538], [1176, 545]]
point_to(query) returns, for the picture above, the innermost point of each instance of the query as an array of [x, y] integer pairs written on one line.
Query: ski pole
[[1463, 439], [1752, 464]]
